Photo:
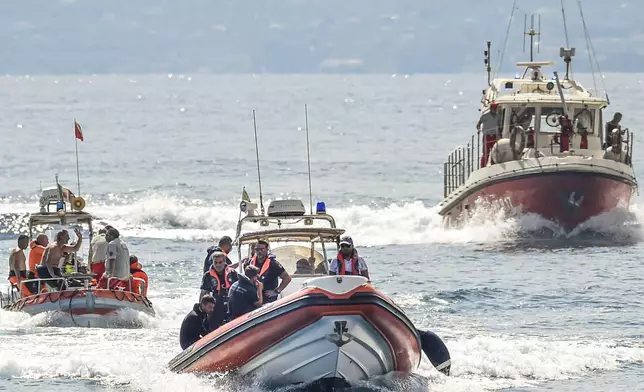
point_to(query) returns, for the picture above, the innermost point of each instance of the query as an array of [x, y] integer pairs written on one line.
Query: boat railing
[[14, 292], [460, 163], [129, 282]]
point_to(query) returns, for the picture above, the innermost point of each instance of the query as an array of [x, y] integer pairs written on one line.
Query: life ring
[[78, 203], [513, 141]]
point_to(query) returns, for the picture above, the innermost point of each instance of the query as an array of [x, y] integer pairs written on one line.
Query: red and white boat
[[551, 159], [81, 299], [332, 330]]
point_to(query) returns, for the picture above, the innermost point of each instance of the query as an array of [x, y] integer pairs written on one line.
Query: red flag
[[78, 131]]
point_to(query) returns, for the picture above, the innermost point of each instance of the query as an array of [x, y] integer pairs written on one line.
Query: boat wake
[[173, 218]]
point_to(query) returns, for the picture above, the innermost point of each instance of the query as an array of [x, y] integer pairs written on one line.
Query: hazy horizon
[[73, 37]]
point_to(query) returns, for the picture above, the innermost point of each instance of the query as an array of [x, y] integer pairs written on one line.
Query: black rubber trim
[[190, 356], [485, 184]]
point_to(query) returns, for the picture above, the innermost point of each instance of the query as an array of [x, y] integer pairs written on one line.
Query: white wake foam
[[168, 217]]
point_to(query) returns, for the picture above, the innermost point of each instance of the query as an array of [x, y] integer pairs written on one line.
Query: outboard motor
[[436, 351]]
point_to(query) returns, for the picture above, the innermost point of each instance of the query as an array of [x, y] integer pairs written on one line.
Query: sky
[[304, 36]]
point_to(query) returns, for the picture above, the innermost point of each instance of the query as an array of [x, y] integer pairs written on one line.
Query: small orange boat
[[81, 298]]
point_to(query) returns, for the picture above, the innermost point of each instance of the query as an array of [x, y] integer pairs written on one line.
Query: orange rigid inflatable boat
[[80, 298], [82, 302], [323, 329], [335, 328]]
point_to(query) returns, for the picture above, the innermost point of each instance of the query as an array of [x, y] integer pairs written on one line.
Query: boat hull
[[83, 302], [312, 335], [566, 197]]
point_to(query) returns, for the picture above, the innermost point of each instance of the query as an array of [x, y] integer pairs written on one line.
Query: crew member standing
[[489, 124]]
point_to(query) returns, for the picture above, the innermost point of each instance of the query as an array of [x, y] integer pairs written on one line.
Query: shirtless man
[[18, 261], [50, 265]]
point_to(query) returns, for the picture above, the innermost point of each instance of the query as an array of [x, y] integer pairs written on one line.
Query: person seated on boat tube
[[610, 127], [136, 270], [194, 326], [18, 267], [245, 295], [270, 270], [54, 253], [489, 124], [217, 282], [98, 253], [117, 264], [36, 250], [225, 245], [348, 262]]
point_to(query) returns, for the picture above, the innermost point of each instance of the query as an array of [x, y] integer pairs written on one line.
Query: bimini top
[[303, 234], [70, 217]]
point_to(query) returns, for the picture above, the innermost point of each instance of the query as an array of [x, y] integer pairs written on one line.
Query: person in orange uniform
[[18, 267], [37, 248], [136, 269]]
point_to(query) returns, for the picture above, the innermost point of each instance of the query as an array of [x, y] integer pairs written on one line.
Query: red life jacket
[[354, 265], [215, 276], [267, 263]]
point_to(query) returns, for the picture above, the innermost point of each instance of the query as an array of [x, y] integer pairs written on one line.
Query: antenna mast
[[308, 154], [567, 53], [487, 61], [259, 176], [532, 33]]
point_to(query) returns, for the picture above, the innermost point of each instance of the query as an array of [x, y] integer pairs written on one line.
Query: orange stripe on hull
[[242, 348]]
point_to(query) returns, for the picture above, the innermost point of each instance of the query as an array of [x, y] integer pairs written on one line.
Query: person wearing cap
[[270, 271], [489, 124], [245, 295], [217, 282], [225, 245], [348, 262], [136, 270], [118, 260]]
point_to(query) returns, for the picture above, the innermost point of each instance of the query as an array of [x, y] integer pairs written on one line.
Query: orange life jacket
[[215, 276], [267, 263], [23, 287], [354, 265], [35, 256], [136, 285]]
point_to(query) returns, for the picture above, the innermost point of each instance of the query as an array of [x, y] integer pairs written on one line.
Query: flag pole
[[77, 170]]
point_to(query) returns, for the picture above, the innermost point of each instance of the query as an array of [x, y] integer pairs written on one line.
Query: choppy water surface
[[520, 306]]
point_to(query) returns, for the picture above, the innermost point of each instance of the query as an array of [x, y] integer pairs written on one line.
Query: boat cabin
[[534, 103], [303, 252], [300, 241], [50, 221]]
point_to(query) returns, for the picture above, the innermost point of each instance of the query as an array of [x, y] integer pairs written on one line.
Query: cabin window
[[523, 116], [549, 121], [584, 121]]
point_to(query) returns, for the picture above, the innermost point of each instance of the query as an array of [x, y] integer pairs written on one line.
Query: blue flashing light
[[320, 208]]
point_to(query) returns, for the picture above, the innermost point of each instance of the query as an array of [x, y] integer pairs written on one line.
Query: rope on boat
[[71, 314]]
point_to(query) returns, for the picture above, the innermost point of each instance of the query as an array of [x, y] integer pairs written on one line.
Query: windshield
[[50, 230], [299, 259]]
